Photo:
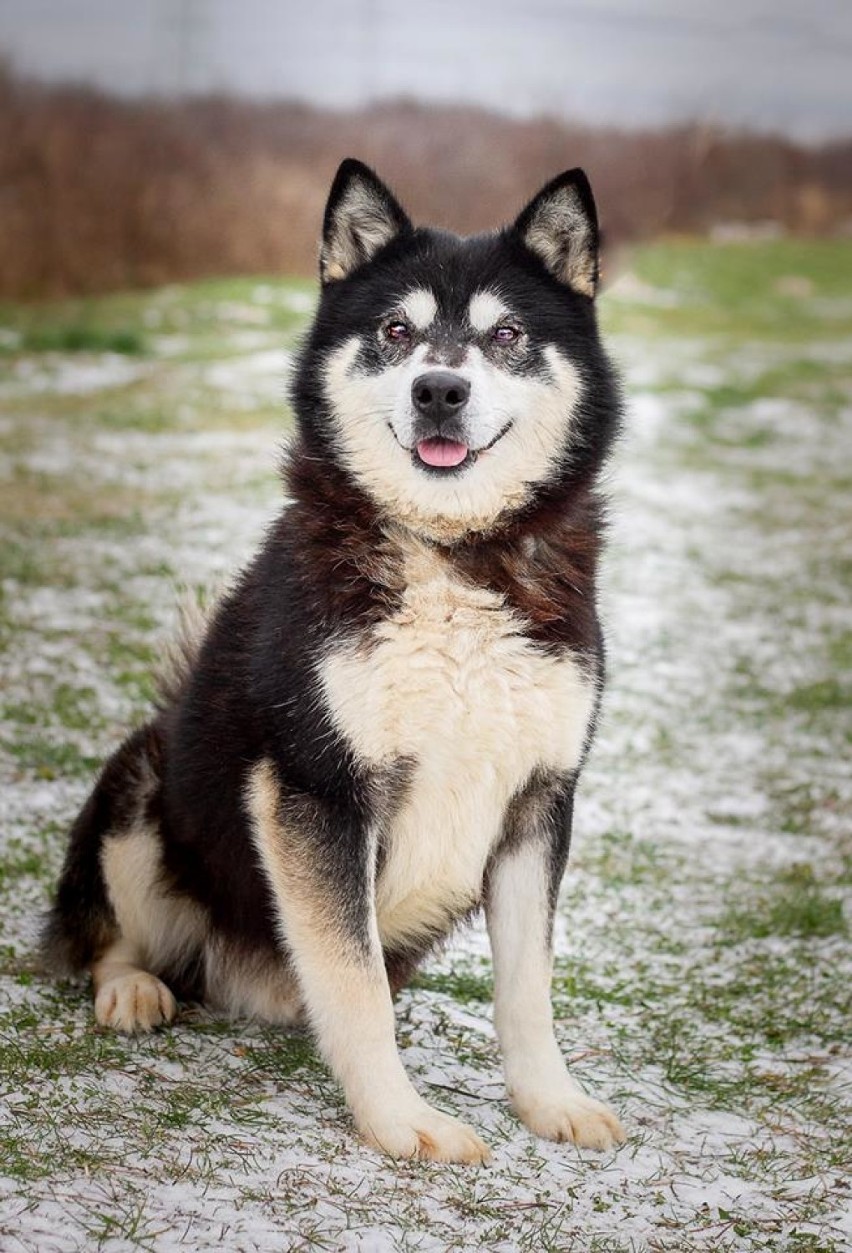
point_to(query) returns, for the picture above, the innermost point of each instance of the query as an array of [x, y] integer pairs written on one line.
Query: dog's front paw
[[569, 1115], [421, 1131], [134, 1002]]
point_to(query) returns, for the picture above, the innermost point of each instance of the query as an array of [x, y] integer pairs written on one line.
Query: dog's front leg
[[520, 899], [321, 872]]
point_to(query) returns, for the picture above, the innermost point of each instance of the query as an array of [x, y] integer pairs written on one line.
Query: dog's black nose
[[439, 394]]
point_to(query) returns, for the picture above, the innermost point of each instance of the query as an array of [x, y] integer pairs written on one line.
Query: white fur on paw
[[571, 1116], [134, 1002], [423, 1132]]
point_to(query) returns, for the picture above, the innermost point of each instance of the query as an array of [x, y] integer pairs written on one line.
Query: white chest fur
[[451, 682]]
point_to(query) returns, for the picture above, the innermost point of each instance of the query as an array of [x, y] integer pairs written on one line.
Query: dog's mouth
[[442, 454], [438, 454]]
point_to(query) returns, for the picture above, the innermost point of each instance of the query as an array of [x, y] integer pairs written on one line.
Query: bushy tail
[[81, 922], [181, 649]]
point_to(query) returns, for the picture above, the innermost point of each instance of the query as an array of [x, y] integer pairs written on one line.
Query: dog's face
[[450, 373]]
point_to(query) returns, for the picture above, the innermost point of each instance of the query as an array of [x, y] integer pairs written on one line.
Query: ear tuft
[[361, 216], [560, 225]]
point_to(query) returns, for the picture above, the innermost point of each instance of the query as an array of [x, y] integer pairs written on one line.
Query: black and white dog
[[382, 726]]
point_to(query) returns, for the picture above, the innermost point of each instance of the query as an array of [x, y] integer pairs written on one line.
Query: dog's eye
[[506, 334], [398, 332]]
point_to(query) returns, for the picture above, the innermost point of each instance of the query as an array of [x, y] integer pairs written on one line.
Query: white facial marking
[[420, 307], [527, 419], [485, 310]]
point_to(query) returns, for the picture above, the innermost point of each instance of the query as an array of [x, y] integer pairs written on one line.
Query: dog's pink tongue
[[441, 452]]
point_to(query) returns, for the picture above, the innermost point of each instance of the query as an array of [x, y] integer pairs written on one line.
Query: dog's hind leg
[[157, 930], [319, 865], [113, 913], [81, 923], [127, 997]]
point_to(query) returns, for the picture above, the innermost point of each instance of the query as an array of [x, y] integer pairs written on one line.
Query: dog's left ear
[[560, 225], [361, 216]]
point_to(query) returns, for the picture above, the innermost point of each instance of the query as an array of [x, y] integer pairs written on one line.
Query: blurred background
[[168, 139]]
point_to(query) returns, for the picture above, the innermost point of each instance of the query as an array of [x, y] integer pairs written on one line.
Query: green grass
[[204, 314], [461, 985], [739, 290], [19, 863], [79, 337], [800, 910]]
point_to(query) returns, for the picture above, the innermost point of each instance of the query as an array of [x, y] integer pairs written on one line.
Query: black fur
[[82, 922], [573, 188], [328, 570], [542, 811]]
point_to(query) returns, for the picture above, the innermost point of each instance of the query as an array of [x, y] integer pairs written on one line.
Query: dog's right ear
[[361, 216]]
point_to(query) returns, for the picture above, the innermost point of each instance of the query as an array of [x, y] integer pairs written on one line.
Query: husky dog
[[382, 726]]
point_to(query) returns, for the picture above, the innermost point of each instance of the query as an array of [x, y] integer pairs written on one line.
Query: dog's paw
[[570, 1116], [134, 1002], [423, 1132]]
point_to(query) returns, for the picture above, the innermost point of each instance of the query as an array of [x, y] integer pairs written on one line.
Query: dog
[[382, 725]]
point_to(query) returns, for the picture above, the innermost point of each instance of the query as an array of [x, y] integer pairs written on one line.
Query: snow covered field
[[703, 970]]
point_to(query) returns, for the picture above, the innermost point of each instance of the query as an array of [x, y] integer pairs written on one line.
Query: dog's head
[[454, 378]]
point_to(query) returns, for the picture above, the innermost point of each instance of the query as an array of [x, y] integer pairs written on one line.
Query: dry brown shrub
[[99, 193]]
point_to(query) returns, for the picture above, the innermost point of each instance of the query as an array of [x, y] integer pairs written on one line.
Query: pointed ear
[[361, 216], [560, 225]]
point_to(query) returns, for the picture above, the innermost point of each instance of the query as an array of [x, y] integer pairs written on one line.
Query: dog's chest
[[450, 683]]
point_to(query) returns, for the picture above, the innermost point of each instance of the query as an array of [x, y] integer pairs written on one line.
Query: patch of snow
[[257, 375], [295, 301], [629, 287], [746, 232], [73, 376]]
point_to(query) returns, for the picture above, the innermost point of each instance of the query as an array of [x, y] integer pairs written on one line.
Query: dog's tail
[[81, 922], [182, 648]]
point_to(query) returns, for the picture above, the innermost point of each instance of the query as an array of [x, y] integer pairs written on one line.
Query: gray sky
[[773, 64]]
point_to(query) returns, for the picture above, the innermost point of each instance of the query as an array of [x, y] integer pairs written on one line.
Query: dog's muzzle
[[439, 399]]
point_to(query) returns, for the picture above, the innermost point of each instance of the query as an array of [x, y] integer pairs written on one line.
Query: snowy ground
[[703, 971]]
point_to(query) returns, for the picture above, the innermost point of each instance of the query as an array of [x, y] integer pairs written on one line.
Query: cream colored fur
[[347, 996], [154, 930], [542, 1092], [450, 681], [419, 307], [128, 998], [158, 926], [486, 310], [359, 217], [251, 986], [561, 234]]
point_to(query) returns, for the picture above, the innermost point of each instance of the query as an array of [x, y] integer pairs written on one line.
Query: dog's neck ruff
[[566, 515], [449, 531], [314, 481]]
